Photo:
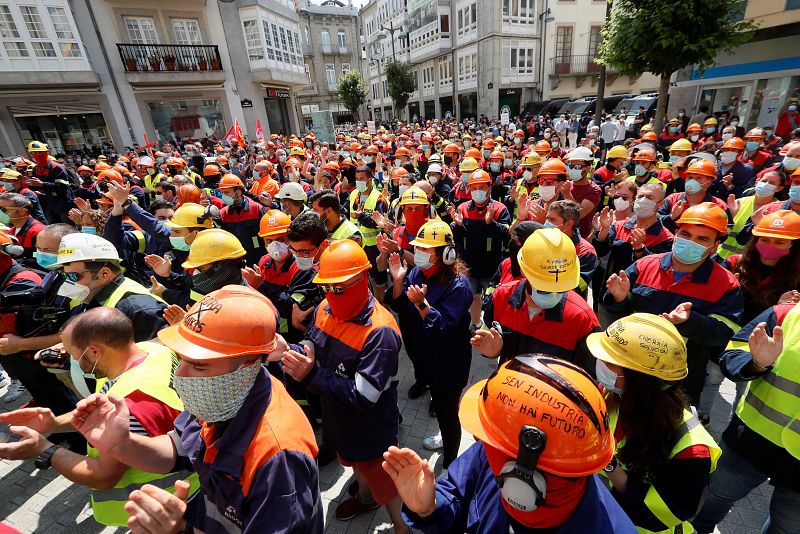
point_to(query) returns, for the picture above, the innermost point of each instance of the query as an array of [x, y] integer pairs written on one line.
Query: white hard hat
[[85, 247], [145, 161], [292, 191], [435, 158], [580, 153], [434, 167]]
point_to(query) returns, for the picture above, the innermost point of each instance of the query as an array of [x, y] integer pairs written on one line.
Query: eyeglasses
[[577, 166], [73, 277], [307, 253], [338, 289]]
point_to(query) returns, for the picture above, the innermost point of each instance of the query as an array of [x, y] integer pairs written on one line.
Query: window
[[330, 74], [444, 23], [345, 68], [467, 18], [141, 30], [563, 44], [342, 41], [252, 39], [445, 71], [326, 39], [33, 21], [374, 91], [14, 46], [519, 12], [283, 45], [187, 31], [594, 41], [308, 35], [66, 37], [467, 68], [268, 39], [308, 72]]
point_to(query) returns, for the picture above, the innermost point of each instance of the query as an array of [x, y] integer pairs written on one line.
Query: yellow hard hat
[[681, 144], [549, 261], [414, 196], [642, 342], [10, 174], [297, 151], [191, 215], [211, 246], [711, 121], [646, 128], [618, 151], [468, 165], [531, 158], [434, 233], [37, 146]]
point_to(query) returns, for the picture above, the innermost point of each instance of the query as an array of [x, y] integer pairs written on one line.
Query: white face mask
[[574, 174], [74, 291], [607, 377], [620, 204], [216, 398], [423, 260], [304, 264], [728, 157], [547, 192], [402, 189], [527, 175], [644, 207], [79, 376], [278, 251]]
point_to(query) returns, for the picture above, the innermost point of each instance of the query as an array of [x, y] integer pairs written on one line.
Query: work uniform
[[26, 235], [286, 286], [731, 245], [482, 245], [374, 201], [56, 185], [346, 230], [132, 246], [242, 220], [531, 189], [36, 210], [587, 258], [468, 500], [257, 471], [665, 210], [144, 309], [743, 176]]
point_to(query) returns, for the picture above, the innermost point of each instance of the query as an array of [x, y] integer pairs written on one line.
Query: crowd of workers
[[202, 326]]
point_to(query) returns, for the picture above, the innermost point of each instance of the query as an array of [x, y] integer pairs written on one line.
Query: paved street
[[33, 501]]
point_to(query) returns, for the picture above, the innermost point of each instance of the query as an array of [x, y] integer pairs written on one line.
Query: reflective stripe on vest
[[369, 235], [771, 406], [152, 377], [731, 245], [531, 196], [690, 433], [128, 286], [194, 296], [141, 240], [345, 230]]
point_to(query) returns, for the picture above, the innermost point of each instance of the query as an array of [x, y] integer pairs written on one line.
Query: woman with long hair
[[664, 456], [432, 302]]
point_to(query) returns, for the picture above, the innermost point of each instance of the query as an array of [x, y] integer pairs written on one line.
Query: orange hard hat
[[780, 224], [479, 177], [756, 134], [188, 193], [6, 239], [402, 151], [542, 146], [84, 168], [371, 149], [211, 170], [110, 175], [123, 159], [273, 223], [175, 162], [734, 143], [341, 261], [347, 162], [706, 214], [230, 180], [106, 199], [331, 166], [553, 395], [694, 128], [645, 154], [496, 154], [452, 148], [398, 172], [229, 322], [473, 153], [650, 137], [703, 167], [101, 166], [221, 160], [488, 143], [121, 170], [553, 167], [355, 145]]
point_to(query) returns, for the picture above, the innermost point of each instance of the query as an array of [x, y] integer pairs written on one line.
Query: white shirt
[[608, 131]]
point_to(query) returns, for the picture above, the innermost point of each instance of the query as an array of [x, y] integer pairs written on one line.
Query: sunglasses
[[576, 166], [338, 289], [73, 277]]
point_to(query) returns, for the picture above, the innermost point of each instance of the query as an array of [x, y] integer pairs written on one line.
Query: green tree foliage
[[662, 36], [401, 82], [352, 91]]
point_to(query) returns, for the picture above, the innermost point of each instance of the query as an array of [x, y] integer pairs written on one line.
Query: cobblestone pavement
[[42, 502]]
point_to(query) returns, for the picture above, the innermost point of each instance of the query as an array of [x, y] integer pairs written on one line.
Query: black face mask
[[219, 275], [448, 160]]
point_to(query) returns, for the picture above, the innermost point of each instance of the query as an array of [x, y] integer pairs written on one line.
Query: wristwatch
[[43, 461], [611, 465], [126, 203], [422, 305]]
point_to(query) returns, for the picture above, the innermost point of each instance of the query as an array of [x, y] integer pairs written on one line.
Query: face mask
[[518, 141], [74, 291], [465, 176], [89, 230], [46, 259], [367, 159], [791, 163], [726, 136], [351, 302], [486, 153], [216, 398], [547, 192], [554, 144], [397, 163], [620, 204], [423, 259], [402, 189], [304, 264], [547, 135], [507, 162], [79, 377], [160, 160], [574, 174], [467, 144], [694, 138], [159, 198], [527, 175], [607, 378], [151, 171], [495, 167], [478, 138], [751, 146], [227, 199], [734, 123], [687, 251], [478, 196], [765, 189], [4, 218], [794, 194], [256, 175], [545, 301], [792, 108], [179, 243], [640, 170], [361, 185], [644, 207], [710, 130], [282, 159], [728, 157], [692, 186], [771, 252], [424, 148], [768, 133], [673, 159]]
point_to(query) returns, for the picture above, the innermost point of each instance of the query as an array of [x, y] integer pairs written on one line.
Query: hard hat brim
[[594, 342], [338, 279], [172, 338], [469, 414]]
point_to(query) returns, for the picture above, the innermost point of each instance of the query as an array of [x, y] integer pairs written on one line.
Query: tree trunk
[[661, 108]]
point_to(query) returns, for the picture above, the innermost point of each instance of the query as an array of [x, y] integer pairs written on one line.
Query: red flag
[[239, 133], [229, 135], [259, 132]]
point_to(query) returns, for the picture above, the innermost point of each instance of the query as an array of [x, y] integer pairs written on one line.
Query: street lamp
[[377, 63], [391, 29], [545, 17]]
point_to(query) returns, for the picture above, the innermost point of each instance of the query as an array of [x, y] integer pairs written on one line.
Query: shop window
[[185, 119]]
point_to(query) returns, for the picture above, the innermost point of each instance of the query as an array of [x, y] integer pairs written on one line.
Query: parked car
[[630, 106], [577, 105]]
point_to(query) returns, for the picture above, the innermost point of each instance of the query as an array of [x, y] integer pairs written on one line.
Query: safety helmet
[[188, 193], [530, 159], [85, 247], [229, 322], [557, 397], [414, 196], [642, 342], [123, 159], [102, 157], [553, 167], [145, 161], [434, 233], [110, 175], [519, 133], [107, 200], [734, 143], [680, 144], [221, 160], [650, 137], [646, 128], [468, 165], [10, 174], [756, 134], [780, 224], [694, 128], [495, 155], [37, 146], [211, 170], [452, 148], [580, 153], [273, 223], [435, 158], [711, 121], [703, 167], [617, 152], [398, 172], [479, 177], [466, 135], [341, 261], [123, 171], [371, 149], [542, 147], [402, 151], [488, 143], [213, 245], [192, 215], [474, 153], [297, 151], [645, 154], [331, 167], [175, 162], [549, 261], [292, 191], [706, 214], [230, 180], [84, 168], [434, 167]]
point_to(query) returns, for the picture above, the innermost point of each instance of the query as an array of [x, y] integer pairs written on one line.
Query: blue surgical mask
[[607, 377], [304, 264], [9, 186], [765, 189], [89, 230], [549, 224], [495, 166], [640, 170], [478, 196], [751, 145], [692, 186], [227, 199], [361, 185], [424, 148], [179, 243], [256, 175], [791, 163], [45, 259], [673, 159], [710, 130], [545, 301], [687, 251], [465, 176], [574, 174], [673, 129], [794, 194], [487, 153]]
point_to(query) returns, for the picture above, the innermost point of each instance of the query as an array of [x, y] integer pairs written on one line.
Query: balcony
[[326, 48], [343, 50], [582, 65], [169, 58]]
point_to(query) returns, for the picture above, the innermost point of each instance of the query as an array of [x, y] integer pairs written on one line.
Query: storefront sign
[[247, 103], [274, 92]]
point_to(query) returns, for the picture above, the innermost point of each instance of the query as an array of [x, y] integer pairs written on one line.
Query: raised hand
[[606, 218], [42, 420], [733, 206], [765, 349], [536, 211], [680, 314], [637, 238], [414, 479], [119, 192], [152, 509], [416, 294], [678, 209], [619, 285], [161, 265], [488, 342], [103, 421], [396, 267], [83, 204], [253, 276], [174, 314], [156, 287]]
